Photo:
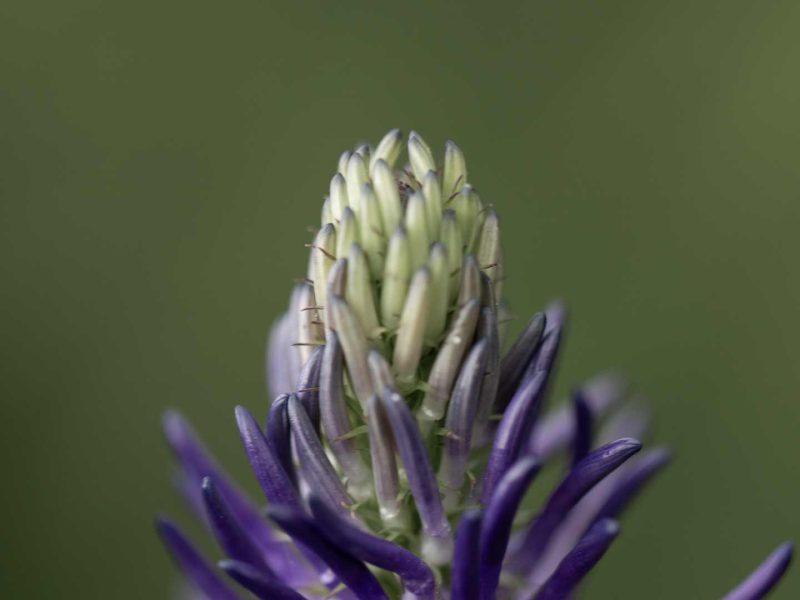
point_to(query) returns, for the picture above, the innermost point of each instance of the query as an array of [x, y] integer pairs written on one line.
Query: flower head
[[401, 441]]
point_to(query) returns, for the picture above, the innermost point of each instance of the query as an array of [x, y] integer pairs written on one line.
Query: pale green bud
[[467, 205], [388, 149], [411, 333], [337, 278], [309, 326], [420, 156], [433, 203], [323, 253], [438, 295], [455, 170], [373, 240], [338, 197], [417, 229], [396, 279], [343, 160], [346, 232], [445, 367], [451, 237], [354, 345], [356, 175], [359, 292], [364, 151], [470, 286], [489, 247], [388, 195], [327, 214]]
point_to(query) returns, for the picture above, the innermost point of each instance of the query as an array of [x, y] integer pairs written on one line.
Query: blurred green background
[[159, 164]]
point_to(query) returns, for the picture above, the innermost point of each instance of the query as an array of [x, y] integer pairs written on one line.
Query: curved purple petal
[[316, 469], [262, 587], [766, 576], [197, 463], [465, 583], [235, 541], [592, 469], [582, 440], [279, 435], [580, 561], [634, 480], [335, 419], [605, 500], [274, 481], [516, 360], [498, 520], [556, 429], [460, 419], [487, 328], [513, 431], [421, 479], [192, 563], [308, 385], [417, 576], [350, 570]]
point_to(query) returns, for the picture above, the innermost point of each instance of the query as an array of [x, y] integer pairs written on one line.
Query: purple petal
[[582, 440], [487, 328], [580, 561], [417, 576], [335, 418], [765, 577], [466, 576], [262, 587], [274, 481], [384, 465], [350, 570], [233, 539], [421, 479], [547, 353], [581, 479], [308, 386], [604, 500], [556, 430], [192, 564], [197, 464], [498, 520], [460, 419], [317, 470], [514, 429], [634, 480], [279, 435], [517, 359]]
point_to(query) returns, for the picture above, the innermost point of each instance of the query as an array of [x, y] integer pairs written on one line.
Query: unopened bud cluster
[[404, 275]]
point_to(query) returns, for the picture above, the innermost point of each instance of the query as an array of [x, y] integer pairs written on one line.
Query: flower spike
[[397, 416]]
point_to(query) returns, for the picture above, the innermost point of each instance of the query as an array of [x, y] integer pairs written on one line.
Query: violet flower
[[401, 443]]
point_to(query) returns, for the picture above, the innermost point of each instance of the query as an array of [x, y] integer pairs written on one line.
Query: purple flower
[[398, 451]]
